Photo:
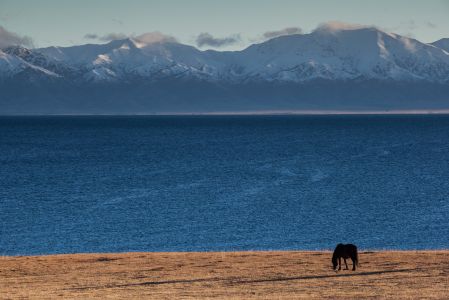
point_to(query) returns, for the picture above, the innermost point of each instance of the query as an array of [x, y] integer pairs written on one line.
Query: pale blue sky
[[64, 23]]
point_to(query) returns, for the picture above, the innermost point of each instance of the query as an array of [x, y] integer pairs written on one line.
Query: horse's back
[[346, 247], [351, 246], [339, 247]]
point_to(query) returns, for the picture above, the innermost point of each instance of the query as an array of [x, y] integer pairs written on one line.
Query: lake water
[[206, 183]]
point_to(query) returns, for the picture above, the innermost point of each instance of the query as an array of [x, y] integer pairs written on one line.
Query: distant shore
[[225, 275], [257, 113]]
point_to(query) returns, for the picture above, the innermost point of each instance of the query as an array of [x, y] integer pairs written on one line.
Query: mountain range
[[329, 69]]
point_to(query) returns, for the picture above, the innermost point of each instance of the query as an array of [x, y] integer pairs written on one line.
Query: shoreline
[[226, 275], [250, 113]]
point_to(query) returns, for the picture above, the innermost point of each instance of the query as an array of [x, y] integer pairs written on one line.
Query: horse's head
[[334, 263]]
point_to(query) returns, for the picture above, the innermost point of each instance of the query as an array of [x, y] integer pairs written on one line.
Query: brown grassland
[[225, 275]]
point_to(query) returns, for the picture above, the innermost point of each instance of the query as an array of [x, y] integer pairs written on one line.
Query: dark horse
[[345, 251]]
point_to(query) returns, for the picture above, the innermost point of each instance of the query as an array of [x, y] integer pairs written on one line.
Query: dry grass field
[[225, 275]]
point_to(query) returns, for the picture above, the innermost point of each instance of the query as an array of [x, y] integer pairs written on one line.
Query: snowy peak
[[335, 53]]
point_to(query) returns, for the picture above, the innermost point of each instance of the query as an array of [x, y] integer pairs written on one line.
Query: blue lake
[[206, 183]]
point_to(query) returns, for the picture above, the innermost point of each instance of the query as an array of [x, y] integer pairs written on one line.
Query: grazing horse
[[345, 251]]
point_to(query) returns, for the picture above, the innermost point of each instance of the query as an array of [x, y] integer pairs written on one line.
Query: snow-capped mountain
[[326, 53], [346, 54], [359, 62]]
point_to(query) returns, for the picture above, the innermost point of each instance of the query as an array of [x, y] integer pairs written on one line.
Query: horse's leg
[[346, 264], [353, 263], [339, 264]]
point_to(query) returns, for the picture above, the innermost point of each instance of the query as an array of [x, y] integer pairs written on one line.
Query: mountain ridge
[[324, 53], [324, 67]]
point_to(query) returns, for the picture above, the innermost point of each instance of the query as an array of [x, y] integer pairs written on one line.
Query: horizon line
[[249, 113]]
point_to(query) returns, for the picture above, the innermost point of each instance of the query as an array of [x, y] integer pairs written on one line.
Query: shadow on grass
[[321, 276], [234, 281]]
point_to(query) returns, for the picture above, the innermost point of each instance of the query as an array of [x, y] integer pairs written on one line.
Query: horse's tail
[[357, 257]]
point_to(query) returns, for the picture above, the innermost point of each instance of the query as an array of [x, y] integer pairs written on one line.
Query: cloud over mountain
[[8, 38], [333, 26], [206, 39], [107, 37], [146, 38], [285, 31], [155, 37]]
